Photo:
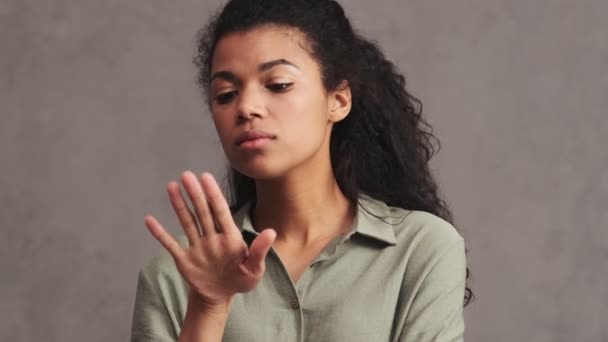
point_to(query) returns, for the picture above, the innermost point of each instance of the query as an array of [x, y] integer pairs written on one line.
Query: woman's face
[[264, 82]]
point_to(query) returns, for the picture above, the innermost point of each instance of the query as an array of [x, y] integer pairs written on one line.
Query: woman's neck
[[303, 210]]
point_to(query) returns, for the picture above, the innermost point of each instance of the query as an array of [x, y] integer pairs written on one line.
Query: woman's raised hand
[[217, 263]]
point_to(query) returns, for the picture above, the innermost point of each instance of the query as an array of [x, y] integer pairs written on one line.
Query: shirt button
[[294, 304]]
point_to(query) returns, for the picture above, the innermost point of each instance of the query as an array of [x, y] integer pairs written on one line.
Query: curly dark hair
[[383, 147]]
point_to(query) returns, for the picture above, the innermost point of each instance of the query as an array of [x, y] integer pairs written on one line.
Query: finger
[[197, 197], [170, 244], [218, 205], [258, 250], [184, 215]]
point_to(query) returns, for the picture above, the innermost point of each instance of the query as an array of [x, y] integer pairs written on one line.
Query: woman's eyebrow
[[229, 76], [269, 65]]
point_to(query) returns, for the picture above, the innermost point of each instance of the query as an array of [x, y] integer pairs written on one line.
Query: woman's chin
[[260, 171]]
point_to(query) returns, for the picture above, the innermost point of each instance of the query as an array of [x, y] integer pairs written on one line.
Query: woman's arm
[[202, 322], [436, 310], [157, 315]]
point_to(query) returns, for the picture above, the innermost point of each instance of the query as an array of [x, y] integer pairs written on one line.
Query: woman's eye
[[225, 97], [278, 87], [275, 87]]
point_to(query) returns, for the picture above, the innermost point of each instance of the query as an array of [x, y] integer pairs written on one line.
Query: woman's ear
[[340, 102]]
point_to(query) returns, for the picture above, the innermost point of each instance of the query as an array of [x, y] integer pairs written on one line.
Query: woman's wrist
[[198, 304], [204, 321]]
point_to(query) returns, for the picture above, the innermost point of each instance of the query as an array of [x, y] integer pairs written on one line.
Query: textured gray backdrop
[[99, 111]]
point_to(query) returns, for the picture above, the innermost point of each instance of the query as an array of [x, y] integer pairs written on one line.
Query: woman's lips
[[255, 143], [253, 137]]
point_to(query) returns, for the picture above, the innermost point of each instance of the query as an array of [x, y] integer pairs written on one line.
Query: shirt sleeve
[[436, 310], [151, 320]]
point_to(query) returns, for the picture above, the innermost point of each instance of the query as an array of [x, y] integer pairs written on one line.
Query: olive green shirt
[[398, 275]]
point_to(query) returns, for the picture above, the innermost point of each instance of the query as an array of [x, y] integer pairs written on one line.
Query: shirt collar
[[372, 220]]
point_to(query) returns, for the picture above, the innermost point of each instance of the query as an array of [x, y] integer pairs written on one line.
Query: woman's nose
[[250, 104]]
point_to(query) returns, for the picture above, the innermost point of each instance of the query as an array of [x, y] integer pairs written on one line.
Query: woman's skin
[[263, 79]]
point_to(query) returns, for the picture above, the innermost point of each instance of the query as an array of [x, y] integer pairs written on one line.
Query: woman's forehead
[[260, 45]]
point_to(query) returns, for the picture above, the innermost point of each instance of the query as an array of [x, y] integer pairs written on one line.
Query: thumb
[[259, 248]]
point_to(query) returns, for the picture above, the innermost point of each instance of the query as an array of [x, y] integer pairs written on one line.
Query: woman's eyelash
[[279, 86], [276, 87], [225, 97]]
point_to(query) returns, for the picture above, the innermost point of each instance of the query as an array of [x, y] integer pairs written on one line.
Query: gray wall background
[[99, 111]]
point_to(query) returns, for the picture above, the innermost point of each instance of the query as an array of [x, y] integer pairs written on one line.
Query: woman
[[336, 231]]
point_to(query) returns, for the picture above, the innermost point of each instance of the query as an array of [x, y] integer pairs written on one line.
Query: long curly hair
[[383, 147]]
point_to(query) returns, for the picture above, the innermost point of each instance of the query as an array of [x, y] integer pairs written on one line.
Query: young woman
[[335, 230]]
